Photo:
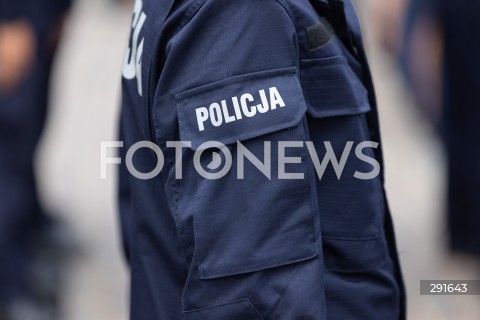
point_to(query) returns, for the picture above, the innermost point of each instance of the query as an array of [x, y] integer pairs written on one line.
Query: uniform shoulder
[[204, 15], [219, 7]]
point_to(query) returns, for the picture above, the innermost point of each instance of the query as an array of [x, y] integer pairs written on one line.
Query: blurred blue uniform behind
[[22, 116], [255, 248], [461, 118], [459, 26]]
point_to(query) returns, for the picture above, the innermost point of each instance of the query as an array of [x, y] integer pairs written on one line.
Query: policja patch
[[241, 107]]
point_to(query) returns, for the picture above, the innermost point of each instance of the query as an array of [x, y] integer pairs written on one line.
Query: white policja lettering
[[219, 114]]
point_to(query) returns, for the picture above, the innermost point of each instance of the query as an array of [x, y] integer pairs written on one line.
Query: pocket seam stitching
[[225, 304], [368, 238]]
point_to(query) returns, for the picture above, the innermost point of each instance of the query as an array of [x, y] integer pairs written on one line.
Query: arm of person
[[251, 244], [17, 47]]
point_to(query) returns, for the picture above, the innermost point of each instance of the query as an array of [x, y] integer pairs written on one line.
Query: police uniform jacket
[[259, 247]]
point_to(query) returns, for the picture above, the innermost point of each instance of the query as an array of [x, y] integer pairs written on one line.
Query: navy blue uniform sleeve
[[251, 244]]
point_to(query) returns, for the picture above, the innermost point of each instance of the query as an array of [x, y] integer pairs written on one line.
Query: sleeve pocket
[[255, 223], [331, 88], [351, 210]]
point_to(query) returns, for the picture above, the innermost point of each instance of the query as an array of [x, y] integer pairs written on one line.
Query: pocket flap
[[241, 107]]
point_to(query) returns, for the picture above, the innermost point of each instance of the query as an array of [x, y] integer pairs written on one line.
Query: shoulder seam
[[196, 7], [288, 10], [199, 4]]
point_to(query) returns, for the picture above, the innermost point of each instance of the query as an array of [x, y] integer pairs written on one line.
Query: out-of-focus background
[[84, 111], [410, 84]]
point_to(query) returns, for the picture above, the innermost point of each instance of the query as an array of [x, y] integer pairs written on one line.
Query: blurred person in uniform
[[388, 21], [317, 246], [29, 34], [442, 57], [459, 28], [420, 59]]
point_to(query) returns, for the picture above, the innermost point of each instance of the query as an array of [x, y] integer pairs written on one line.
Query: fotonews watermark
[[278, 161]]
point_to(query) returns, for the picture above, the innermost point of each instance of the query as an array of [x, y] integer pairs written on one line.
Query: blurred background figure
[[442, 60], [31, 242], [425, 57]]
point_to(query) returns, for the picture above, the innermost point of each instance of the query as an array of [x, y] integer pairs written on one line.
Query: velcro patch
[[319, 34], [241, 107]]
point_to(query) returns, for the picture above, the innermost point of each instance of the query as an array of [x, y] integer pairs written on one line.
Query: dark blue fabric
[[458, 127], [27, 8], [13, 9], [260, 247], [461, 100], [241, 310]]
